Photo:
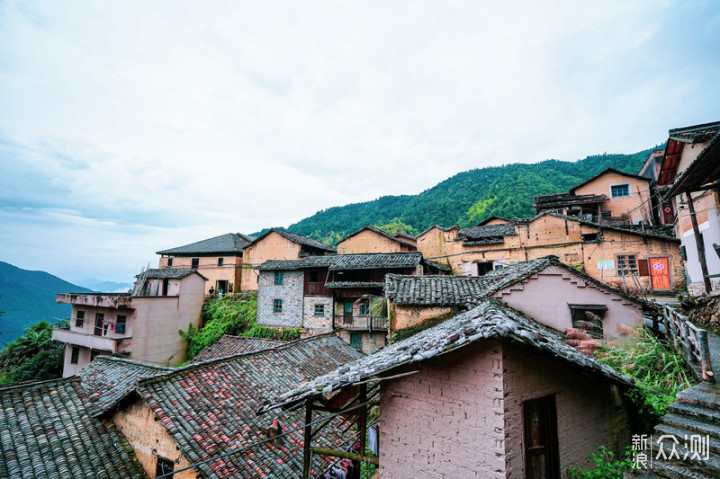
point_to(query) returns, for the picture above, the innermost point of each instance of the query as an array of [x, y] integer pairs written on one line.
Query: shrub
[[606, 465]]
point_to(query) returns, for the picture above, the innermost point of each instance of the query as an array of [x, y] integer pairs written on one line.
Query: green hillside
[[28, 297], [466, 198]]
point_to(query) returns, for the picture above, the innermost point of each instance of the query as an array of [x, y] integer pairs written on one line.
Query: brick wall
[[590, 412], [291, 294], [446, 421], [310, 320]]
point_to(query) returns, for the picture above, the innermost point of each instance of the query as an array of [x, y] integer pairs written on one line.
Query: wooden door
[[659, 273], [347, 313]]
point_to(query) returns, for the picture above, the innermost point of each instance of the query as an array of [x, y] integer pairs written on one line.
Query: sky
[[128, 127]]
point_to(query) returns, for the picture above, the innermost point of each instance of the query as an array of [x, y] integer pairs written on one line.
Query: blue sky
[[128, 127]]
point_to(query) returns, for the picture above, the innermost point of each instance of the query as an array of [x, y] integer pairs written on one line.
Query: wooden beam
[[699, 243], [346, 455]]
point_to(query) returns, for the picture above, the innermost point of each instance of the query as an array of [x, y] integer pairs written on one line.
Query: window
[[314, 277], [164, 466], [540, 433], [277, 305], [627, 265], [364, 309], [75, 355], [279, 278], [120, 324], [195, 263], [94, 354], [620, 190], [319, 310], [169, 262], [589, 318], [590, 237], [221, 261], [99, 319], [356, 340], [79, 319]]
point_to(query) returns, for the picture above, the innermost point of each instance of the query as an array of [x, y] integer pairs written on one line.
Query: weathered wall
[[545, 298], [368, 241], [313, 322], [436, 243], [406, 316], [273, 246], [371, 342], [291, 294], [230, 271], [447, 420], [150, 439], [633, 205], [590, 412]]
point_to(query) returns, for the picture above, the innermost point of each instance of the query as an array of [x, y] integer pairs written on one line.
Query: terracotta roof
[[295, 238], [228, 244], [490, 319], [232, 345], [562, 199], [466, 291], [107, 379], [210, 408], [487, 234], [605, 171], [704, 169], [345, 262], [47, 430], [381, 233]]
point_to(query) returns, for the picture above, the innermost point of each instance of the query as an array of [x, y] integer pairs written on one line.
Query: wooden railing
[[688, 339]]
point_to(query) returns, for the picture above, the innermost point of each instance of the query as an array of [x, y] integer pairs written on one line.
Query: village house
[[341, 293], [277, 244], [200, 420], [141, 325], [611, 196], [688, 181], [438, 242], [487, 393], [631, 257], [544, 289], [370, 239], [219, 259]]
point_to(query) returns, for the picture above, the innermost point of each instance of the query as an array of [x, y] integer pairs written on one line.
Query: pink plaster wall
[[447, 421], [545, 298], [590, 412]]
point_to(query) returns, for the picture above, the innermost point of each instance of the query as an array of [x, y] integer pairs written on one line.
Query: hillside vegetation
[[466, 198]]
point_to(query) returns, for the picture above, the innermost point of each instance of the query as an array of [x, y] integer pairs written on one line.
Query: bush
[[606, 465]]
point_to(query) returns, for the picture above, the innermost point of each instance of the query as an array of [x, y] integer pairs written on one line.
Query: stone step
[[697, 412], [693, 426], [674, 470], [704, 394], [681, 433]]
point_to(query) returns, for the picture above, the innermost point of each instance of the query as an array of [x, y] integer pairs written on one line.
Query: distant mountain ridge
[[27, 297], [465, 198]]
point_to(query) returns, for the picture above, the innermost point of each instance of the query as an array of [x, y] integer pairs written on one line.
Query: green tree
[[33, 356]]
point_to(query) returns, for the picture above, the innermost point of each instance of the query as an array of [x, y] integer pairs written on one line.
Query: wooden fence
[[687, 339]]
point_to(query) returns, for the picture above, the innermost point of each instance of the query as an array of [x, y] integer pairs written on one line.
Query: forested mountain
[[28, 297], [466, 198]]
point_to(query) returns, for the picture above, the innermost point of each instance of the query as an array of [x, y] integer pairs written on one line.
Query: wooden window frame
[[617, 185], [195, 263], [221, 261], [319, 310], [627, 269], [547, 429], [364, 308], [74, 355], [99, 323], [121, 324], [79, 319], [277, 305], [279, 278]]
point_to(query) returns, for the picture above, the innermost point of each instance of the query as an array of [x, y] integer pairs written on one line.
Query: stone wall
[[291, 294], [313, 322]]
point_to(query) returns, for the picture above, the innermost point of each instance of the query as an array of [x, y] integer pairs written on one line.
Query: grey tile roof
[[381, 233], [466, 291], [47, 430], [169, 273], [487, 232], [228, 244], [107, 379], [345, 262], [353, 284], [490, 319], [704, 167], [210, 408], [695, 133], [233, 345], [660, 233], [296, 238]]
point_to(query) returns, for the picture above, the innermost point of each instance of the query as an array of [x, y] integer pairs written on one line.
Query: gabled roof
[[491, 218], [695, 133], [228, 244], [295, 238], [209, 408], [604, 172], [466, 291], [487, 234], [345, 262], [441, 228], [170, 273], [562, 199], [108, 379], [48, 431], [490, 319], [233, 345], [704, 169], [379, 232]]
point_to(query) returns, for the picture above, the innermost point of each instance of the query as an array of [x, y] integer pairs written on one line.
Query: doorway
[[659, 273], [221, 286]]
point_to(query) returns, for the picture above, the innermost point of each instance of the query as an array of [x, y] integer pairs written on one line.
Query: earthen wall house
[[373, 240]]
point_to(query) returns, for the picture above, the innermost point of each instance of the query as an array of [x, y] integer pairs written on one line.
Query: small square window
[[627, 265], [364, 309], [277, 305], [120, 324], [79, 319], [195, 263], [620, 190], [221, 261], [319, 310], [75, 355], [279, 278]]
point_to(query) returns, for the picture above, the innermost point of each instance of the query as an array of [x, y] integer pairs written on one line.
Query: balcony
[[96, 300], [361, 323], [98, 343]]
